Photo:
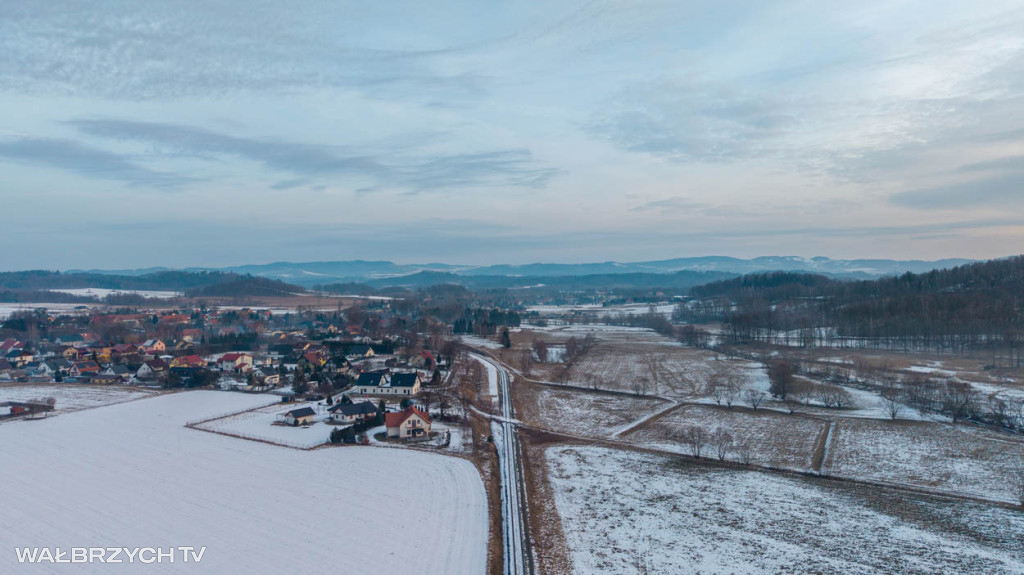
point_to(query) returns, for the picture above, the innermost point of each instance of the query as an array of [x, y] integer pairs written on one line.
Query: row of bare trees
[[718, 442]]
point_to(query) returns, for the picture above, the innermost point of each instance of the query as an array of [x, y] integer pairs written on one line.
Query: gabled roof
[[375, 378], [404, 379], [398, 418], [361, 408], [303, 412]]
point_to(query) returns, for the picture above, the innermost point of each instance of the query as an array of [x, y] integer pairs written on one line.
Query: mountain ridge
[[321, 272]]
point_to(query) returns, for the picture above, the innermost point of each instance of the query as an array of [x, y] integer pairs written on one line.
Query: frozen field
[[955, 459], [103, 292], [57, 308], [670, 371], [260, 424], [130, 475], [72, 396], [775, 439], [626, 513], [580, 412]]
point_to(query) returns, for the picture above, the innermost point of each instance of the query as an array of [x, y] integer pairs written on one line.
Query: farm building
[[301, 416]]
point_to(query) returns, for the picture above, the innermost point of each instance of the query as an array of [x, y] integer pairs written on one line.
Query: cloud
[[1007, 189], [140, 50], [418, 171], [80, 159], [668, 205], [692, 122], [1001, 182]]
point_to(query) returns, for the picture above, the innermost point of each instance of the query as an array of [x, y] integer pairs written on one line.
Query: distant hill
[[208, 283], [309, 274], [678, 280]]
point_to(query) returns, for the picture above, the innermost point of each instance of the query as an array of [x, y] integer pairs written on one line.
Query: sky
[[167, 133]]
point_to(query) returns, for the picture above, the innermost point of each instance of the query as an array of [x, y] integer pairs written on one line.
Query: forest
[[963, 309]]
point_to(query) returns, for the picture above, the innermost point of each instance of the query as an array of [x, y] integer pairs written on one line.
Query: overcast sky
[[170, 133]]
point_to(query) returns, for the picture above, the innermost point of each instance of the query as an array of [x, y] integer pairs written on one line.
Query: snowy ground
[[492, 377], [775, 439], [130, 475], [102, 292], [676, 372], [580, 412], [626, 513], [56, 308], [72, 396], [957, 459], [663, 308], [479, 342], [261, 424]]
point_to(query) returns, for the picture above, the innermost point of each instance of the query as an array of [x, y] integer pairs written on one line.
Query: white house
[[409, 423]]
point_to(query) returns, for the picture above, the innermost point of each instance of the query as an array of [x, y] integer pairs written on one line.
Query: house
[[238, 362], [426, 360], [406, 383], [68, 352], [314, 358], [151, 369], [352, 412], [184, 346], [372, 382], [192, 335], [174, 319], [301, 416], [73, 340], [105, 378], [80, 368], [360, 351], [337, 365], [188, 361], [9, 345], [409, 423], [121, 372], [154, 346], [20, 358]]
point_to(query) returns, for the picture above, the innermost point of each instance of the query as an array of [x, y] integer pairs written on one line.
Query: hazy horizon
[[142, 134]]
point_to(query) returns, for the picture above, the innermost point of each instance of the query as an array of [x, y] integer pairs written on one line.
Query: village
[[353, 378]]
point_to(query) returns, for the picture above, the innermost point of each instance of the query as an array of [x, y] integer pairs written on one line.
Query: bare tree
[[722, 441], [960, 400], [745, 451], [654, 368], [892, 399], [754, 397], [724, 383], [695, 437], [540, 347]]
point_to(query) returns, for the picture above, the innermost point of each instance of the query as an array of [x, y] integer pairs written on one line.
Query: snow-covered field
[[677, 372], [775, 439], [102, 292], [61, 308], [130, 475], [479, 342], [582, 413], [260, 424], [662, 308], [956, 459], [626, 513], [72, 396]]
